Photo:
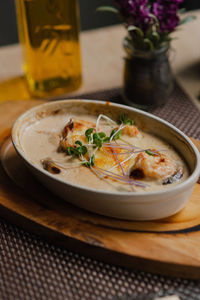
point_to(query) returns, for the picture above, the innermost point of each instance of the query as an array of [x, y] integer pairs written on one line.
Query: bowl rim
[[190, 181]]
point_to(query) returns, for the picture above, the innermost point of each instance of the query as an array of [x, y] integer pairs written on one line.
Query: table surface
[[102, 59]]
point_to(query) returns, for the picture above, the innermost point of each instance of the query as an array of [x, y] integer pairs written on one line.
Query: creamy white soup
[[102, 153]]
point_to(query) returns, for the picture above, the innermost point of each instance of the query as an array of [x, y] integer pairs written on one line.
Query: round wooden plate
[[168, 246]]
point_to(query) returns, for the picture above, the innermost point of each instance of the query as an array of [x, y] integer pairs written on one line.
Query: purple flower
[[135, 12], [145, 34], [166, 12]]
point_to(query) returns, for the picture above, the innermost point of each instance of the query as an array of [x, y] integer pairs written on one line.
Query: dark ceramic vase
[[148, 80]]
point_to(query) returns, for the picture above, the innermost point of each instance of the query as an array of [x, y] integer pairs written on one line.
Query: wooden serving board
[[169, 246]]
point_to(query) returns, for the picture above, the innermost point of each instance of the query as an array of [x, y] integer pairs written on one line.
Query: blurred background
[[89, 17]]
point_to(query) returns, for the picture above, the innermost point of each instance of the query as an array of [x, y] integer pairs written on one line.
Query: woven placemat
[[31, 268]]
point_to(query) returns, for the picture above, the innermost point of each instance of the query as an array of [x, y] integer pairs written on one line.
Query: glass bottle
[[49, 35]]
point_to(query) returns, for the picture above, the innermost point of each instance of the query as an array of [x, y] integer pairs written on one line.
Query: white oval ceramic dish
[[124, 205]]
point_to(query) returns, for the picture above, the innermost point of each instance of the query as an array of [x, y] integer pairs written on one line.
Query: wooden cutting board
[[169, 246]]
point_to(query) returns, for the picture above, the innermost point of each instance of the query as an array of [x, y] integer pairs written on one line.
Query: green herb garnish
[[102, 134], [78, 143], [82, 150], [86, 164], [149, 152], [123, 120], [90, 162], [117, 135], [97, 140], [70, 150], [100, 138], [88, 134], [77, 151], [106, 139]]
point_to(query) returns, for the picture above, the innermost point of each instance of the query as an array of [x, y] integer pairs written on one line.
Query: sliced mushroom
[[63, 142], [50, 166], [69, 127], [177, 176]]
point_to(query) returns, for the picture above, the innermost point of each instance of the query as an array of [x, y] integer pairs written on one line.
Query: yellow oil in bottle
[[49, 35]]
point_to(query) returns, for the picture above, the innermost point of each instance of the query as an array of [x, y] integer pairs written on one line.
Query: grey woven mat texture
[[31, 268]]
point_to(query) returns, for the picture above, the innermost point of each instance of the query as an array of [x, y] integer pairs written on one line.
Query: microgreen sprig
[[149, 152], [124, 120], [116, 135], [88, 134], [77, 151], [89, 163], [97, 139]]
